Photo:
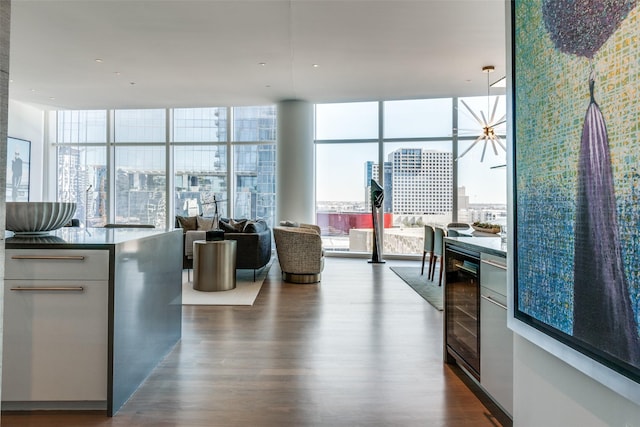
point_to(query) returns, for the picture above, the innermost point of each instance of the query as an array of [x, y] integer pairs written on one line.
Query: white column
[[295, 163]]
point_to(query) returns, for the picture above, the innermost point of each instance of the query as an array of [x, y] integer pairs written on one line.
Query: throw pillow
[[255, 226], [187, 223], [204, 223], [238, 225], [226, 227]]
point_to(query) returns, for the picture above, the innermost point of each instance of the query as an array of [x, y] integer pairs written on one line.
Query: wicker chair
[[300, 253]]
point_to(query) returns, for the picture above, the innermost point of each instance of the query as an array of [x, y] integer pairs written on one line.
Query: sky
[[341, 167]]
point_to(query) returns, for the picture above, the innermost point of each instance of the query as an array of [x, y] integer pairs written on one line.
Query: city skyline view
[[229, 153], [354, 128]]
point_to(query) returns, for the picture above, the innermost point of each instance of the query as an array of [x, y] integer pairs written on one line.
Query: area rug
[[245, 292], [427, 289]]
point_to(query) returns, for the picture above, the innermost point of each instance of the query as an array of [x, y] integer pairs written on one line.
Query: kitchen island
[[489, 245], [89, 313]]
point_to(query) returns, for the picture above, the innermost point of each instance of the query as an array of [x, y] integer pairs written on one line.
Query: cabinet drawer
[[58, 264], [496, 358], [55, 341], [493, 273]]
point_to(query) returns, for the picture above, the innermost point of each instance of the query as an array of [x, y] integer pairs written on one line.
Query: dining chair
[[438, 253], [428, 247], [457, 225]]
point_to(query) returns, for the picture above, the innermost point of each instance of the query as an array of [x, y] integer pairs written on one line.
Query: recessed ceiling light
[[33, 90], [52, 98], [316, 65], [262, 64], [267, 85], [117, 73], [132, 83], [98, 60]]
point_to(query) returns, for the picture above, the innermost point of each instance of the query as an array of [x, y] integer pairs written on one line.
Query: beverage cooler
[[462, 308]]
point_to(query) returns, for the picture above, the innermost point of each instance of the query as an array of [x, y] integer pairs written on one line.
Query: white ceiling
[[184, 53]]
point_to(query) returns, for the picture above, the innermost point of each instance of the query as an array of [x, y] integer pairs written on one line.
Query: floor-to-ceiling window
[[81, 162], [415, 141], [346, 142], [418, 149], [200, 161], [114, 163], [482, 182], [140, 166], [254, 154]]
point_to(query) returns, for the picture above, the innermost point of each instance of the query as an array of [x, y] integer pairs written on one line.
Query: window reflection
[[140, 183], [199, 124], [140, 126], [82, 179], [254, 124], [81, 126], [254, 174], [200, 174]]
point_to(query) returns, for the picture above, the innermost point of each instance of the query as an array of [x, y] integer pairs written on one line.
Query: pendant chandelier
[[488, 123]]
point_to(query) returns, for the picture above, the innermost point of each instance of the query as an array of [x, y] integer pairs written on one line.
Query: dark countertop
[[490, 245], [80, 238]]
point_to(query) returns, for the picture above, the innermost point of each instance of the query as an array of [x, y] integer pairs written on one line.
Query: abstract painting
[[576, 179]]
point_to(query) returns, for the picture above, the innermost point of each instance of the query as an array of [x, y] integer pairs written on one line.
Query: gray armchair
[[300, 253]]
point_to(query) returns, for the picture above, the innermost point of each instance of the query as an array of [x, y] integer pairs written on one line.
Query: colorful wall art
[[577, 175]]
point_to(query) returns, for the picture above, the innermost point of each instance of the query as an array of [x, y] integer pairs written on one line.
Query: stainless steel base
[[301, 278]]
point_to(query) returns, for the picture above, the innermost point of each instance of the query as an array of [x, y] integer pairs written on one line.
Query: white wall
[[27, 122], [549, 392]]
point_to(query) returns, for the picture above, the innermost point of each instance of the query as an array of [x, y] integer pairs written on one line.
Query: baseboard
[[83, 405]]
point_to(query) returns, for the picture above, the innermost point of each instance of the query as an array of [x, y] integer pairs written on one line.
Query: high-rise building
[[422, 181], [254, 164]]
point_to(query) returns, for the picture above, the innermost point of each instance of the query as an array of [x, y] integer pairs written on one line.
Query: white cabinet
[[496, 348], [55, 342]]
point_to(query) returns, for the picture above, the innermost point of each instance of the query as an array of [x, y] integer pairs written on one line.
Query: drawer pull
[[55, 257], [491, 300], [58, 289], [494, 264]]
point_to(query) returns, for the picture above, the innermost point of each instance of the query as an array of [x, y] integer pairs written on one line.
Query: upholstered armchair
[[299, 252]]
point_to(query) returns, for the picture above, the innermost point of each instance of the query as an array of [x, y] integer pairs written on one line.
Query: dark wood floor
[[359, 349]]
